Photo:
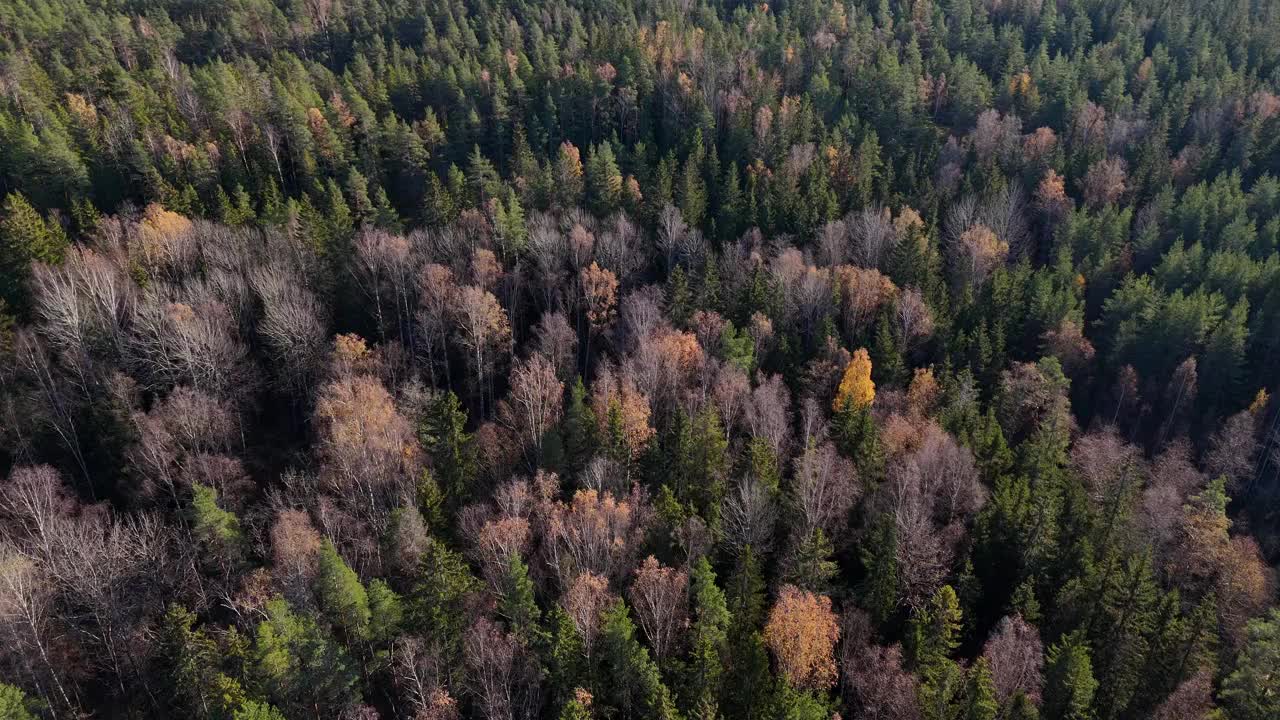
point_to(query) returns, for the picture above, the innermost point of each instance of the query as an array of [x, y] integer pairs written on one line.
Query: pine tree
[[386, 613], [14, 704], [879, 558], [443, 433], [251, 710], [191, 668], [299, 666], [603, 180], [25, 238], [1252, 690], [216, 529], [1069, 684], [344, 600], [516, 603], [579, 423], [810, 565], [981, 693], [629, 676], [438, 598], [709, 644]]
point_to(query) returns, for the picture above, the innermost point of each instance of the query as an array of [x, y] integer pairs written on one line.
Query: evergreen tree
[[344, 600], [629, 677], [443, 434], [1252, 690], [880, 559], [981, 693], [25, 238], [1069, 684]]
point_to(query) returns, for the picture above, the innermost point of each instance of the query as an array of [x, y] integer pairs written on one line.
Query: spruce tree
[[1069, 685]]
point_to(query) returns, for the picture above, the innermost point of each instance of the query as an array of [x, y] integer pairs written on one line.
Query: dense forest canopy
[[632, 359]]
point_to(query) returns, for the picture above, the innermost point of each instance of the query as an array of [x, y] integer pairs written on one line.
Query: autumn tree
[[802, 631]]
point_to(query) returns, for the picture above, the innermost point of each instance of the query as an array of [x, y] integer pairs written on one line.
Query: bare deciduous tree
[[533, 405], [1015, 655], [659, 596]]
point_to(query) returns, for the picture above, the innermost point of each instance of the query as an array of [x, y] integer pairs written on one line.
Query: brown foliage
[[878, 685], [586, 598], [594, 532], [1068, 343], [369, 450], [600, 293], [1192, 700], [295, 546]]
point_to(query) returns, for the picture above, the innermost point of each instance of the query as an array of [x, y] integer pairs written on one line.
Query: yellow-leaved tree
[[856, 388]]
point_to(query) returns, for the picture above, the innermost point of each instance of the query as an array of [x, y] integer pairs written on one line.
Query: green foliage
[[437, 600], [1251, 691], [192, 662], [298, 665], [1069, 684], [709, 638], [980, 695], [443, 434], [14, 704], [257, 711], [629, 677], [343, 599], [25, 238], [216, 529], [880, 558]]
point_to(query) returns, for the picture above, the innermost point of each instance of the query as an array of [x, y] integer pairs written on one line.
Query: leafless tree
[[291, 327], [912, 318], [878, 686], [26, 605], [50, 399], [621, 249], [641, 315], [483, 330], [660, 598], [1234, 449], [768, 414], [872, 237], [176, 343], [437, 294], [731, 392], [1192, 700], [1104, 183], [420, 677], [181, 431], [533, 406], [1015, 655], [679, 243], [500, 673], [555, 339], [824, 488], [750, 512]]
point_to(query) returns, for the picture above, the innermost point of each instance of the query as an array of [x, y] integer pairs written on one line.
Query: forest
[[640, 359]]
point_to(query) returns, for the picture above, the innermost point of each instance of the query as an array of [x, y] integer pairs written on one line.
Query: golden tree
[[856, 387], [802, 632]]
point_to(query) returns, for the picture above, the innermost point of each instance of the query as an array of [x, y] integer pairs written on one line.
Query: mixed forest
[[640, 359]]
